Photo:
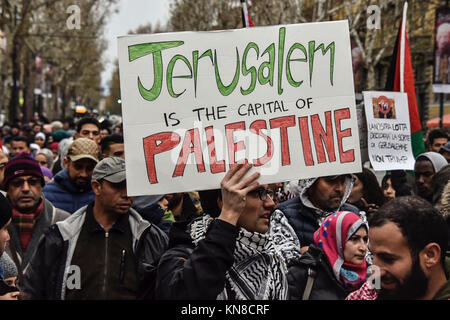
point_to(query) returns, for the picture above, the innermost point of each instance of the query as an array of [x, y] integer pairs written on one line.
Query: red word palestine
[[322, 138]]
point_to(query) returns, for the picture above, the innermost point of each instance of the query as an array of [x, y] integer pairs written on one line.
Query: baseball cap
[[111, 169], [83, 148]]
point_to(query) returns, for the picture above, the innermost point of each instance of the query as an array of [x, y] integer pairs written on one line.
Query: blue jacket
[[63, 194]]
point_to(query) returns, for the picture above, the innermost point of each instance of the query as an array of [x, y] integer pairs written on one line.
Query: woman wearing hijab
[[39, 139], [335, 264]]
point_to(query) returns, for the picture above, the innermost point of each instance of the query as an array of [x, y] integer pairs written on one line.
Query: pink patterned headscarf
[[331, 237]]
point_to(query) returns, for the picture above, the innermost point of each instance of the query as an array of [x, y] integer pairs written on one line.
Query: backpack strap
[[309, 283]]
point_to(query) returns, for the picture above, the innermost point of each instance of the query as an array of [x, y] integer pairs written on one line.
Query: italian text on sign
[[389, 133]]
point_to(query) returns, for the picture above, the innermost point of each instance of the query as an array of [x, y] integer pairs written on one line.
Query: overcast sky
[[132, 14]]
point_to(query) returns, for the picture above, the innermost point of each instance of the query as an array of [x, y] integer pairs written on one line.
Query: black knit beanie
[[22, 165]]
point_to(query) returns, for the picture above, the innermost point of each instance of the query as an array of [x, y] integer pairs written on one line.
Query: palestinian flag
[[393, 84]]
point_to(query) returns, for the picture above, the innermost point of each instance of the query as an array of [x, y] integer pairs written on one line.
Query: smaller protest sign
[[389, 133]]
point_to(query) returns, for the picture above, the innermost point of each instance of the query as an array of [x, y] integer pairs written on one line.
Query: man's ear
[[66, 162], [96, 187], [220, 203], [430, 255]]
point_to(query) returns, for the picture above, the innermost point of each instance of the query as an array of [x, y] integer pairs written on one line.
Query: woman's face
[[356, 247], [103, 133], [55, 153], [357, 191], [39, 141], [388, 190], [42, 159]]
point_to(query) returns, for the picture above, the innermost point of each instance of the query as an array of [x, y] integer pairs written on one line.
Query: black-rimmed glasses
[[263, 193]]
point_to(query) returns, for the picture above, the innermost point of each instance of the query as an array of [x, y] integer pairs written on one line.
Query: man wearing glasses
[[318, 198], [240, 255], [32, 213]]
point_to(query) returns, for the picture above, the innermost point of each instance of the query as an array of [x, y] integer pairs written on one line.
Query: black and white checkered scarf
[[259, 269]]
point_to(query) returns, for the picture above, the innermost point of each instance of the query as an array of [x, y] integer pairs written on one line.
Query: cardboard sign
[[195, 103], [389, 133]]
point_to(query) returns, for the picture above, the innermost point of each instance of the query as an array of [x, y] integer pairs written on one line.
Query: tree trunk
[[370, 78], [14, 99]]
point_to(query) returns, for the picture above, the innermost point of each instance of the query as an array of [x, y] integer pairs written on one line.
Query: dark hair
[[436, 134], [107, 129], [208, 200], [372, 191], [106, 124], [70, 122], [386, 177], [419, 222], [109, 140], [21, 138], [86, 120]]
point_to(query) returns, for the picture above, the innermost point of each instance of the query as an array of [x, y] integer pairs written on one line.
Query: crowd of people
[[69, 231]]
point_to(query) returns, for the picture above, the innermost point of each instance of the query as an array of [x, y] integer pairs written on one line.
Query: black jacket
[[189, 272], [325, 287], [48, 272]]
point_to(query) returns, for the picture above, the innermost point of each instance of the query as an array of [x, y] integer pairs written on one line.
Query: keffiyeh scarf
[[259, 269]]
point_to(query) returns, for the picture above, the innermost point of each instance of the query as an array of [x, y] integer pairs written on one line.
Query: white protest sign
[[389, 133], [195, 103]]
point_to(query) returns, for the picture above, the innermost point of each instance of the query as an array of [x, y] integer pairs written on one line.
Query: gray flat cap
[[111, 169]]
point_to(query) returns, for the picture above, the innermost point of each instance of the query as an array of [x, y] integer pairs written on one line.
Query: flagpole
[[441, 98], [402, 49], [245, 14]]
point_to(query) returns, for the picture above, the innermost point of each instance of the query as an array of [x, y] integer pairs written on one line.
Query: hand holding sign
[[234, 191]]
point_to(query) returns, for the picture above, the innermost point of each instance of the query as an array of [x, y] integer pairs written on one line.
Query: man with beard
[[317, 199], [426, 166], [71, 189], [408, 239]]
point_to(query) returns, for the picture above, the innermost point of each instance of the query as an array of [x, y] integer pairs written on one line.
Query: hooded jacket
[[48, 273], [304, 217], [65, 195], [437, 159]]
